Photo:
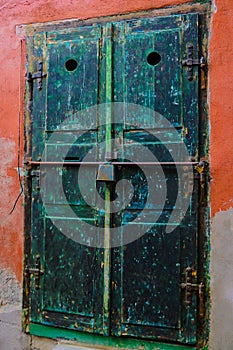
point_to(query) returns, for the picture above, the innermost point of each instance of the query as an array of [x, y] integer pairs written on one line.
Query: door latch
[[190, 62], [189, 288], [39, 75], [37, 272]]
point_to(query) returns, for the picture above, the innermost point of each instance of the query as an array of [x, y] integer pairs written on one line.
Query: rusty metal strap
[[114, 163]]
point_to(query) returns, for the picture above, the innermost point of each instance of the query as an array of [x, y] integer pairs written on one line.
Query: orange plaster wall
[[221, 110], [13, 12]]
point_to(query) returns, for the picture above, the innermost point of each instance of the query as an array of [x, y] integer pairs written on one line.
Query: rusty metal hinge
[[29, 173], [39, 75], [189, 287], [36, 174], [36, 271], [202, 166], [25, 319], [202, 170], [190, 62]]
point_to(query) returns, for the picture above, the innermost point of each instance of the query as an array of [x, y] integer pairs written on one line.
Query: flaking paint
[[12, 86], [161, 297], [12, 70]]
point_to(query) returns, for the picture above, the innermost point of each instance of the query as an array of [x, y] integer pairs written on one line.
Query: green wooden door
[[69, 293], [118, 289], [148, 272]]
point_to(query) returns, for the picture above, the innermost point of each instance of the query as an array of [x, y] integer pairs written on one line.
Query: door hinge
[[29, 173], [25, 319], [39, 75], [202, 169], [189, 288], [190, 62], [36, 271], [202, 174], [36, 174]]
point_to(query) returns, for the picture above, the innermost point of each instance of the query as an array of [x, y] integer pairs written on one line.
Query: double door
[[112, 138]]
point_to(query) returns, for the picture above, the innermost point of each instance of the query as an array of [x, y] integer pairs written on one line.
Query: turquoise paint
[[126, 343]]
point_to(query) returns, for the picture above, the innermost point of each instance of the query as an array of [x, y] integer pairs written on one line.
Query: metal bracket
[[202, 168], [29, 162], [39, 75], [190, 62], [37, 272], [36, 174], [190, 287]]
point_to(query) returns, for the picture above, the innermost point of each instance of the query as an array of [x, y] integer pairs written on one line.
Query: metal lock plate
[[106, 173]]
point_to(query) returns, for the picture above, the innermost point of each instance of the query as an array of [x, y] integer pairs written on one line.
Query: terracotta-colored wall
[[15, 12], [221, 109]]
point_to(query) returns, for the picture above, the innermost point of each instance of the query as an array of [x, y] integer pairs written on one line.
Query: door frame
[[204, 11]]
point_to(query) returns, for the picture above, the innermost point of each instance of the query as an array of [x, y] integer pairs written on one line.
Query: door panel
[[147, 273], [69, 294], [135, 289], [74, 89]]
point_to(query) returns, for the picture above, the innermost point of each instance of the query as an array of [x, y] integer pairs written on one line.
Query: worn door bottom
[[97, 340]]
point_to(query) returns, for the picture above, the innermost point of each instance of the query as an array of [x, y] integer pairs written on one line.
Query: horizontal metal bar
[[114, 163]]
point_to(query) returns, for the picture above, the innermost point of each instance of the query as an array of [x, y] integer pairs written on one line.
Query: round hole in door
[[71, 65], [153, 58]]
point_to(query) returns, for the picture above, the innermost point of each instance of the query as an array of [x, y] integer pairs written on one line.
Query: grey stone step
[[76, 347]]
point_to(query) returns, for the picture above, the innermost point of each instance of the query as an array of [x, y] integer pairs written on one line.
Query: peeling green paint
[[135, 290], [60, 333]]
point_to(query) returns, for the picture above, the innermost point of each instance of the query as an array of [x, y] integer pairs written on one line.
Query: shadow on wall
[[221, 322]]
